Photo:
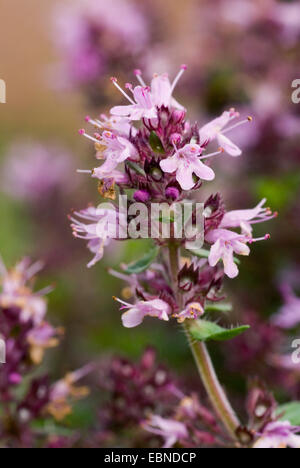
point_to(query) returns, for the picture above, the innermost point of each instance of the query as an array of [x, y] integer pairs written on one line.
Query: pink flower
[[117, 149], [192, 311], [33, 171], [142, 105], [225, 244], [137, 312], [279, 434], [216, 129], [41, 338], [185, 162], [16, 293], [99, 228], [289, 314], [245, 218], [147, 99], [170, 429]]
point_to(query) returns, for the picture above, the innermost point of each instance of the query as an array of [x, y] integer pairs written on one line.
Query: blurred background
[[56, 59]]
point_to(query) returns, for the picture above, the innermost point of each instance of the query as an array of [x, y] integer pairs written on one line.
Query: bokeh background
[[242, 54]]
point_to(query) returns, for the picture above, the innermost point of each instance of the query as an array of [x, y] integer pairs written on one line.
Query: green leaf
[[290, 412], [144, 262], [156, 144], [203, 253], [218, 307], [136, 168], [203, 330]]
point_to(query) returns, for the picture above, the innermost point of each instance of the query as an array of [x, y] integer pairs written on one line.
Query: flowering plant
[[154, 154]]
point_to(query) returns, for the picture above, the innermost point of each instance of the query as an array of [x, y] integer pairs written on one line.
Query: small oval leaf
[[203, 330], [143, 263], [290, 412], [156, 144]]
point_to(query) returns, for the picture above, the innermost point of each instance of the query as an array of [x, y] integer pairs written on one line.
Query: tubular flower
[[96, 225], [225, 244], [246, 218], [146, 99], [185, 163], [192, 311], [216, 129], [136, 313]]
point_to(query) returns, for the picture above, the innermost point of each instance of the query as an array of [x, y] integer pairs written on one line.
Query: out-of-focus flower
[[92, 35], [288, 315], [34, 171], [169, 429], [64, 391], [16, 292], [98, 226], [279, 434], [27, 335]]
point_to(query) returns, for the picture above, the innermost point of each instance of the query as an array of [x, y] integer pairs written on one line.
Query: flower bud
[[175, 138], [141, 196], [178, 116], [173, 193]]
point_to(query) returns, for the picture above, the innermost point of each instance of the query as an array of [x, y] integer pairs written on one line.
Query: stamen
[[83, 133], [138, 75], [177, 78], [221, 150], [115, 82], [122, 302], [242, 122], [257, 239], [96, 123]]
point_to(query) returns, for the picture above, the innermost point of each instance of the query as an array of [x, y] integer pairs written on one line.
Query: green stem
[[203, 361]]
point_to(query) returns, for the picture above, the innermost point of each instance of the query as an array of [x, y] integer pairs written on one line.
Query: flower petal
[[133, 317], [228, 145]]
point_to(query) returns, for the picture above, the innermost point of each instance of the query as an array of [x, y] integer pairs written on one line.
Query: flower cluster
[[145, 401], [151, 148], [26, 335]]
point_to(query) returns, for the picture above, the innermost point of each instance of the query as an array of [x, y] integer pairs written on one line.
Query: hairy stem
[[203, 361]]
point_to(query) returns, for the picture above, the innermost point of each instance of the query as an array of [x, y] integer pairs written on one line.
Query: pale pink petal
[[133, 317], [241, 248], [202, 171], [170, 164], [228, 146], [230, 268], [184, 177], [216, 253], [142, 96], [122, 111], [161, 90]]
